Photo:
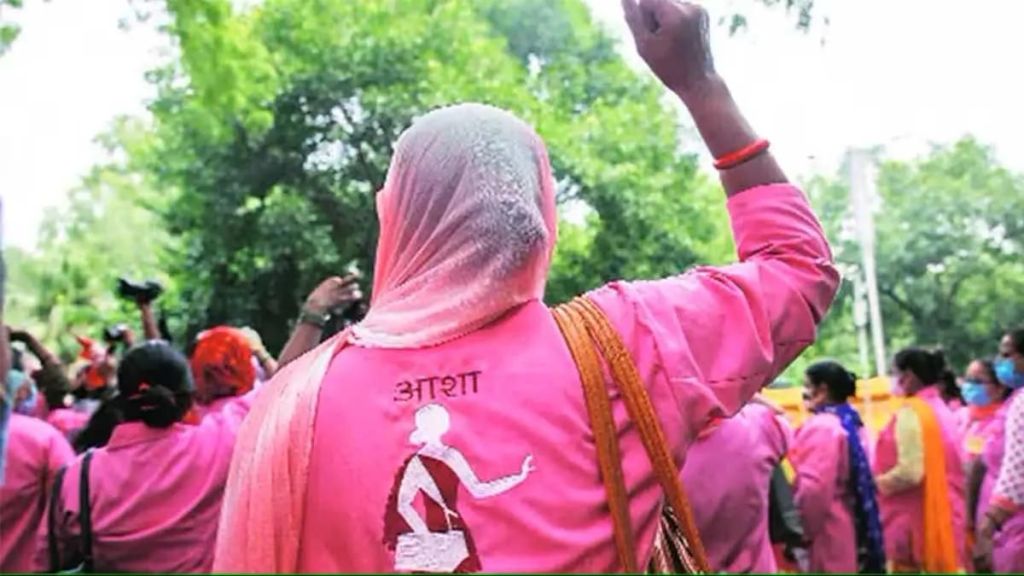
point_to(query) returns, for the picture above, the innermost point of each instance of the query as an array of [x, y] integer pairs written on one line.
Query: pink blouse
[[35, 451], [477, 454], [730, 503], [155, 495]]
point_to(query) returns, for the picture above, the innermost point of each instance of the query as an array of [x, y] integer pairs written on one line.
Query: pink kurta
[[155, 494], [974, 425], [902, 511], [69, 421], [35, 451], [501, 411], [203, 410], [821, 458], [730, 503], [1008, 543]]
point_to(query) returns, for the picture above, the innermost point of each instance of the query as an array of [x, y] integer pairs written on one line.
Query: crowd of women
[[463, 426]]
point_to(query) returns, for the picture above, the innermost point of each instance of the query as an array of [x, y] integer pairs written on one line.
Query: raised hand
[[334, 294], [672, 37]]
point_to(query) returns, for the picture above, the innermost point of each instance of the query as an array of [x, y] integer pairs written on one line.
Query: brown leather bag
[[591, 337]]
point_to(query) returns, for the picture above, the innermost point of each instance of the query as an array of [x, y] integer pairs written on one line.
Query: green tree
[[8, 30], [950, 236], [275, 129]]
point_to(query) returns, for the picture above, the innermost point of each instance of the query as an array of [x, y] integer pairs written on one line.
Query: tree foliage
[[950, 241], [274, 131]]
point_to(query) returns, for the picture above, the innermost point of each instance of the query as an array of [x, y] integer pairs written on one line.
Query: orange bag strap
[[583, 325], [605, 438]]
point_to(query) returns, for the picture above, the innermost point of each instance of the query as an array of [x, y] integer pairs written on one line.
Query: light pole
[[862, 195]]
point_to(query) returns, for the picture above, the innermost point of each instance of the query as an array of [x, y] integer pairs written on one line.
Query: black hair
[[950, 387], [988, 365], [1017, 339], [838, 381], [928, 365], [53, 383], [155, 384], [101, 426]]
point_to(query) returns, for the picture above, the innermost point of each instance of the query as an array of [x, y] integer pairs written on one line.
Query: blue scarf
[[870, 548]]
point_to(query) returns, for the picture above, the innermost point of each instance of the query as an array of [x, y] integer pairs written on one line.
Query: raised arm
[[53, 383], [150, 330], [331, 295], [672, 37], [715, 336]]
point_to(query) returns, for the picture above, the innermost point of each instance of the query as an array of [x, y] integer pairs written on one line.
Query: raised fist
[[672, 37]]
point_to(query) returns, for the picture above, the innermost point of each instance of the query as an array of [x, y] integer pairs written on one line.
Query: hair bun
[[157, 406]]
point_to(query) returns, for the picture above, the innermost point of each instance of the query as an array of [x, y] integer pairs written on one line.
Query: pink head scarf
[[467, 227], [467, 230]]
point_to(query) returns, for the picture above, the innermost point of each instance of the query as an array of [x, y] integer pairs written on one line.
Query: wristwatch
[[318, 319]]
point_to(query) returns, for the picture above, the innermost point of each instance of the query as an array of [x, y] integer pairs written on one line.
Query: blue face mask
[[1007, 373], [975, 393]]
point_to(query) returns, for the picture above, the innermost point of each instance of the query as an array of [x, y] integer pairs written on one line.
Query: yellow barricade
[[874, 402]]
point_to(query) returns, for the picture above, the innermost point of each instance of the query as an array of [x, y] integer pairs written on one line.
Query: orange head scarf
[[96, 374], [222, 364]]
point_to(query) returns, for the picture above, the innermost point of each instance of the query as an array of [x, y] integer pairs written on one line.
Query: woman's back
[[511, 390], [155, 495], [821, 458], [365, 452], [35, 451], [727, 475], [502, 408]]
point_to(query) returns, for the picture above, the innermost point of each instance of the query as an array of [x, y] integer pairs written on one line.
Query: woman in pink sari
[[1000, 544], [467, 230]]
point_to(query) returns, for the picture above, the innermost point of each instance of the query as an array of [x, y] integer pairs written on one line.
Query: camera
[[139, 292], [115, 333]]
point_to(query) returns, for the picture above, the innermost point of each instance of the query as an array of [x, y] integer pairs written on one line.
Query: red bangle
[[745, 154]]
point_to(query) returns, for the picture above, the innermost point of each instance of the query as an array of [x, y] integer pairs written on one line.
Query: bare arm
[[47, 358], [150, 330], [331, 295], [304, 338], [672, 37], [725, 130]]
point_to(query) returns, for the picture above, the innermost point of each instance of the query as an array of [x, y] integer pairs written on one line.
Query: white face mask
[[895, 388]]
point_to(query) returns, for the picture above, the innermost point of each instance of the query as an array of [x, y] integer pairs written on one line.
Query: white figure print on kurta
[[437, 540]]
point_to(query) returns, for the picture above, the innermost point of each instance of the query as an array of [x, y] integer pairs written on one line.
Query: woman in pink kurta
[[156, 487], [919, 458], [447, 431], [984, 395], [35, 451], [730, 504], [1000, 543], [835, 493]]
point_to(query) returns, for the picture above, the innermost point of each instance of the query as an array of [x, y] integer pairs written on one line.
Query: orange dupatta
[[939, 554]]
